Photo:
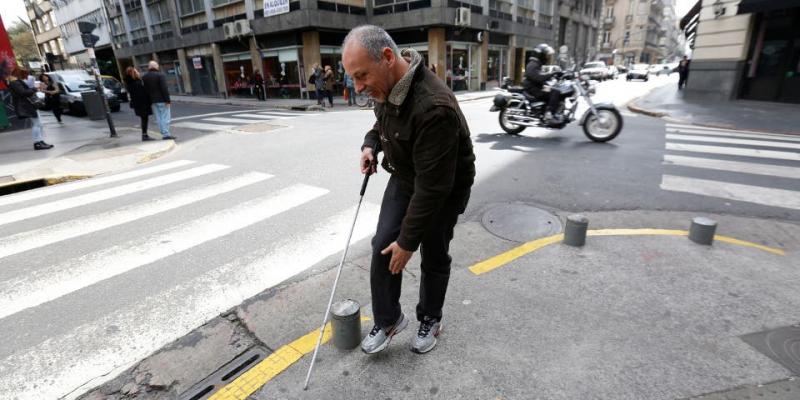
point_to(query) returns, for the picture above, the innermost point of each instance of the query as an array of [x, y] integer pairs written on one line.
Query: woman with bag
[[26, 104], [52, 96], [140, 100]]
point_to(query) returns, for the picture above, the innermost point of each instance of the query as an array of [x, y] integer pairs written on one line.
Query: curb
[[631, 105]]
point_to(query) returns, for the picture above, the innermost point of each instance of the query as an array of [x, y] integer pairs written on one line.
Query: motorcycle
[[518, 110]]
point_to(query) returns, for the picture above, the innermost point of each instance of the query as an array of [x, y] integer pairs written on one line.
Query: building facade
[[577, 29], [213, 47], [745, 49], [69, 13], [46, 33], [632, 31]]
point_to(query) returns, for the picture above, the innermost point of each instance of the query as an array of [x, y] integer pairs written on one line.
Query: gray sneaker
[[425, 340], [378, 338]]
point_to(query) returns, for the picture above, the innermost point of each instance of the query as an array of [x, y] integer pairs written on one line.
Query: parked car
[[597, 70], [613, 72], [664, 69], [638, 71], [72, 83], [115, 86]]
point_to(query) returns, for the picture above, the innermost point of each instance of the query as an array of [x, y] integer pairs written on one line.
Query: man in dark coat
[[428, 152], [683, 72], [156, 85], [21, 96]]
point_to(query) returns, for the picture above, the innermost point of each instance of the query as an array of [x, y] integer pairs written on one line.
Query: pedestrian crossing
[[229, 120], [767, 159], [35, 290]]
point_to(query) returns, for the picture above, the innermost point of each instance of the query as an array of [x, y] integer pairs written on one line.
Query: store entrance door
[[772, 72]]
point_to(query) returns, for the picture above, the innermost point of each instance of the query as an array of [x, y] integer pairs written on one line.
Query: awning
[[752, 6]]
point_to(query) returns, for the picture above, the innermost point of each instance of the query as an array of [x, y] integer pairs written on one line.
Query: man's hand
[[367, 161], [400, 257]]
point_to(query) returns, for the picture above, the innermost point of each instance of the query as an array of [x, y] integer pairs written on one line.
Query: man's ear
[[388, 55]]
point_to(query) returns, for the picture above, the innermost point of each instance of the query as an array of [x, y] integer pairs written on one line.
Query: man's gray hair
[[152, 65], [372, 38]]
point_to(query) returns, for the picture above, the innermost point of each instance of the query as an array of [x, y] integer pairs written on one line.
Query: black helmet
[[544, 53]]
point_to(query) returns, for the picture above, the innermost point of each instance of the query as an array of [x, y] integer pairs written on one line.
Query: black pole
[[99, 89]]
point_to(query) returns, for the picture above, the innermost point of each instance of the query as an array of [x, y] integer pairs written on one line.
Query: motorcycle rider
[[534, 81]]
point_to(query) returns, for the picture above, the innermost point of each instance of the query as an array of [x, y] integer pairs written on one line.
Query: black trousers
[[682, 80], [144, 121], [434, 250]]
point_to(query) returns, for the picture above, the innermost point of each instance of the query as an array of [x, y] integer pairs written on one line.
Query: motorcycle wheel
[[599, 133], [508, 126]]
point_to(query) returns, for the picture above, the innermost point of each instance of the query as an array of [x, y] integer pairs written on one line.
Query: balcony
[[609, 21], [605, 45]]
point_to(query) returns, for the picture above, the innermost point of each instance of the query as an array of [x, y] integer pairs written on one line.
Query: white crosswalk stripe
[[237, 121], [260, 117], [71, 229], [703, 154], [88, 183], [57, 364], [203, 127], [89, 198]]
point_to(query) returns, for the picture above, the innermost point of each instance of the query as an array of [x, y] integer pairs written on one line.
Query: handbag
[[36, 102]]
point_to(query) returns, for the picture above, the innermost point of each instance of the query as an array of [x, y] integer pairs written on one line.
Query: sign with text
[[275, 7], [197, 62]]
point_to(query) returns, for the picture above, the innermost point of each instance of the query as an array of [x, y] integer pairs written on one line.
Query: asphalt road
[[127, 269]]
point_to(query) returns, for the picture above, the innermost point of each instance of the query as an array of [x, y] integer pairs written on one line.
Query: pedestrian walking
[[155, 83], [283, 81], [428, 153], [317, 79], [258, 82], [25, 103], [52, 96], [330, 84], [139, 99], [351, 89], [683, 72]]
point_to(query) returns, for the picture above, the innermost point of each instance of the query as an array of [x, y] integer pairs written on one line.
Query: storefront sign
[[197, 62], [34, 64], [275, 7]]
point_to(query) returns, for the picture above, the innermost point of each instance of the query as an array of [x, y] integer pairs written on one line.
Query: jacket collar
[[401, 88]]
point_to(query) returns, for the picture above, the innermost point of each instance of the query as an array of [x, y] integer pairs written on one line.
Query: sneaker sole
[[385, 344], [429, 348]]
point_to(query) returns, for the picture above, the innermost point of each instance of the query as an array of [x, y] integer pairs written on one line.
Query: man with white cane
[[428, 152]]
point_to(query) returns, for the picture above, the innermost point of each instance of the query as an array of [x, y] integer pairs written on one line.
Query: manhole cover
[[781, 345], [520, 223]]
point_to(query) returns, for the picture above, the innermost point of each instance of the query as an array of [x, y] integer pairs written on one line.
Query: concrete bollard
[[575, 230], [346, 324], [702, 230]]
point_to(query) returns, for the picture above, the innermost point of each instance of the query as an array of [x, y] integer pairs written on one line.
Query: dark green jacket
[[426, 144]]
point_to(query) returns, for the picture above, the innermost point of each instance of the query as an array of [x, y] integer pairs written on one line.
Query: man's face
[[371, 77]]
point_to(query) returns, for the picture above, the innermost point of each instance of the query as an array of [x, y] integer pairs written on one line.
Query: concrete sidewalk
[[82, 148], [301, 104], [631, 315], [672, 104]]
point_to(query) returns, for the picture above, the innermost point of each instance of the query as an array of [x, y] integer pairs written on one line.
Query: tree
[[23, 43]]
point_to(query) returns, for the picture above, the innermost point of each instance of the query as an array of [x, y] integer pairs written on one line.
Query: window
[[215, 3], [459, 4], [609, 12], [191, 6], [337, 6], [159, 12], [395, 6], [606, 37]]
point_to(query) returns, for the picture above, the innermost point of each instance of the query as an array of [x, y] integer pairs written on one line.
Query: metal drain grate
[[223, 376], [782, 345]]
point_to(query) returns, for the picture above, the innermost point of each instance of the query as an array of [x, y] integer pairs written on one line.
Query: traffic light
[[86, 29]]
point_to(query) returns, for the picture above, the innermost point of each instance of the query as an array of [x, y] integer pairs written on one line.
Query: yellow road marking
[[277, 362], [517, 252]]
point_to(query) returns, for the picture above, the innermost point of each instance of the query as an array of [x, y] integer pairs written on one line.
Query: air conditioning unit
[[229, 28], [463, 16], [242, 27]]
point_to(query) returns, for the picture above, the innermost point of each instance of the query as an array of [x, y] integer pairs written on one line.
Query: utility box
[[93, 103]]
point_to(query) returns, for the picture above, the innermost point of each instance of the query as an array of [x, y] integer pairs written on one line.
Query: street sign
[[275, 7]]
